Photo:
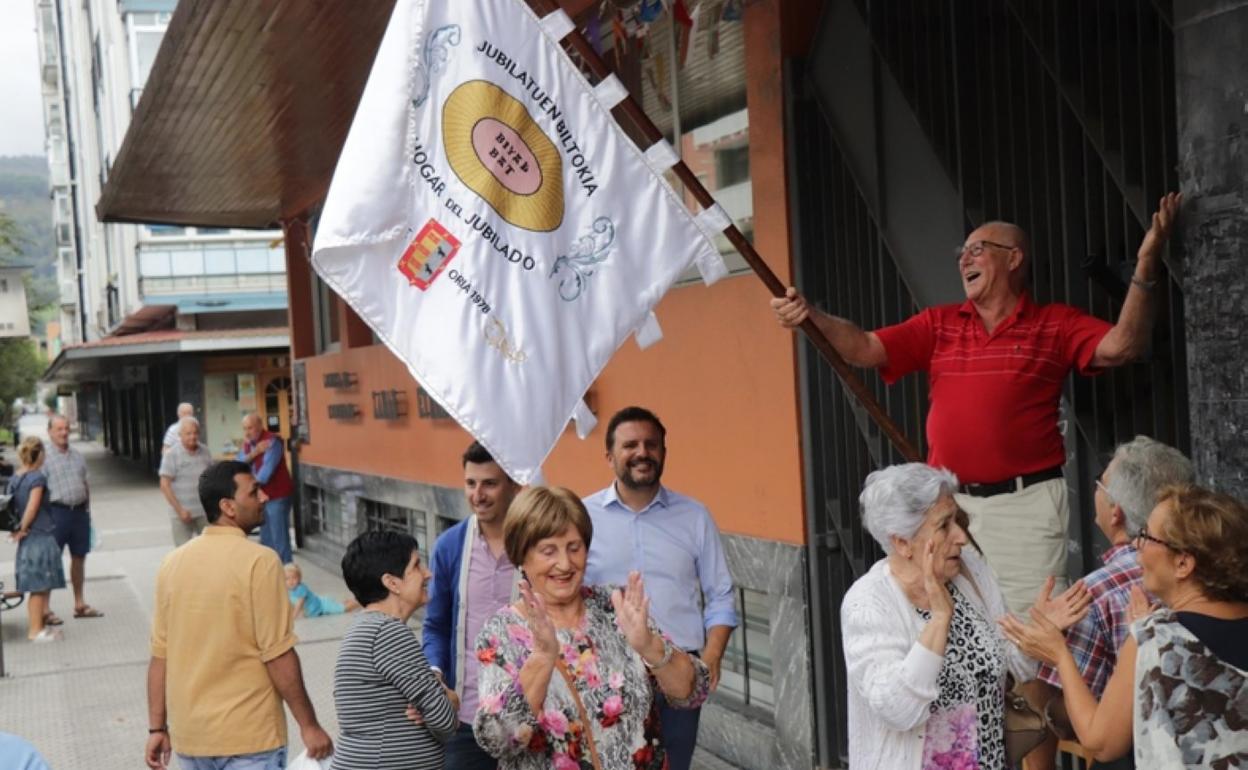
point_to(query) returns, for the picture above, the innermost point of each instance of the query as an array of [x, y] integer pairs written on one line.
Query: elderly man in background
[[263, 451], [71, 510], [1125, 495], [171, 434], [180, 469], [996, 364]]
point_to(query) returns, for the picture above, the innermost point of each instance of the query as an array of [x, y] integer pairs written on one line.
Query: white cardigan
[[893, 678]]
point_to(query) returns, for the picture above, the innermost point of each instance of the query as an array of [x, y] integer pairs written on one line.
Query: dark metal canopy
[[246, 110]]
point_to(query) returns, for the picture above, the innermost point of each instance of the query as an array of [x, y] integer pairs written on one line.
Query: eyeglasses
[[1101, 486], [978, 247], [1143, 535]]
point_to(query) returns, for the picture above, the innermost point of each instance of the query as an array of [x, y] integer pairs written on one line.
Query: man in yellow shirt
[[223, 645]]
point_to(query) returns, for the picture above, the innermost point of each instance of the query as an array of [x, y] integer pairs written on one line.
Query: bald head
[[185, 410], [252, 427]]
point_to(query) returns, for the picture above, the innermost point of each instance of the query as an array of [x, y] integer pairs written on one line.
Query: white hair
[[1141, 468], [185, 421], [895, 499]]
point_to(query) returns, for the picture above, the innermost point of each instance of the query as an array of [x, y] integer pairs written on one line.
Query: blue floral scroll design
[[436, 54], [577, 265]]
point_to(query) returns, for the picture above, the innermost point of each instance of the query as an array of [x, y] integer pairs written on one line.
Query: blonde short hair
[[541, 512], [31, 451], [1213, 528]]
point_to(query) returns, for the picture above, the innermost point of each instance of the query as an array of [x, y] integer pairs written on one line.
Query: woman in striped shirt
[[382, 675]]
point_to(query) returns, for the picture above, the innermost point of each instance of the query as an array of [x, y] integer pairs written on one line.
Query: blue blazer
[[442, 616]]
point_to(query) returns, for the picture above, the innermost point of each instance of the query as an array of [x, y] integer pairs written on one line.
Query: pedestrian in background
[[180, 469], [381, 671], [223, 645], [66, 471], [263, 450], [171, 434], [39, 570]]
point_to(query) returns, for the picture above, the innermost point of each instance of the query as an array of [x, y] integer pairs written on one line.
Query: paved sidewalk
[[82, 701]]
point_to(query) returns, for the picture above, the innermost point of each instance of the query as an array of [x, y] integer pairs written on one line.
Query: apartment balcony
[[201, 277]]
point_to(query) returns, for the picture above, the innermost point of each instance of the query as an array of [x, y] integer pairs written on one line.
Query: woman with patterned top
[[1180, 689], [393, 711], [569, 672], [925, 660]]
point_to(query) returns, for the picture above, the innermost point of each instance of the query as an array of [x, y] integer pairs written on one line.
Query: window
[[4, 285], [325, 306], [698, 102], [166, 230], [444, 523], [384, 517], [330, 515], [746, 668]]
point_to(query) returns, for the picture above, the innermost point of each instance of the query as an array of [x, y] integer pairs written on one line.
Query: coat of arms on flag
[[494, 225]]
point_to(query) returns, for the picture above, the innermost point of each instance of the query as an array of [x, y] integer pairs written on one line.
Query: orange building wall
[[723, 379]]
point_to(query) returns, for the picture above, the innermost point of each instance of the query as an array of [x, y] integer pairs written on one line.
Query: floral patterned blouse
[[966, 728], [614, 685]]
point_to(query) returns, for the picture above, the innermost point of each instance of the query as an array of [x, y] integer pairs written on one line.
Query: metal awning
[[94, 360], [246, 110]]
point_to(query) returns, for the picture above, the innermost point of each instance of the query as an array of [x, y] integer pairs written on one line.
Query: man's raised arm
[[1128, 339], [857, 347]]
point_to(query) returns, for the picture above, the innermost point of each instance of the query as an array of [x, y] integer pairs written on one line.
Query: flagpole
[[637, 115]]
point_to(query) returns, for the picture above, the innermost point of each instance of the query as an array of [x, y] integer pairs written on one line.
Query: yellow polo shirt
[[221, 614]]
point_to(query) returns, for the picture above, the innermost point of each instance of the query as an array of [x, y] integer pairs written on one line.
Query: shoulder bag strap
[[588, 732]]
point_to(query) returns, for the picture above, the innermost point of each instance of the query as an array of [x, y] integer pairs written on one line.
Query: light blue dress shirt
[[675, 545]]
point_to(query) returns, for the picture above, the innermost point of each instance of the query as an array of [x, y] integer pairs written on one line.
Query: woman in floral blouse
[[567, 654]]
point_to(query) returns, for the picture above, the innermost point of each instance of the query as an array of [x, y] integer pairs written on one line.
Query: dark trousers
[[463, 753], [680, 734]]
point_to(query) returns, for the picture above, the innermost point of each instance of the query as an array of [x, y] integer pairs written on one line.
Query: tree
[[20, 367]]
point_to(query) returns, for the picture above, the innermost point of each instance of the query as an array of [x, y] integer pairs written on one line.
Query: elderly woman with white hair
[[927, 663]]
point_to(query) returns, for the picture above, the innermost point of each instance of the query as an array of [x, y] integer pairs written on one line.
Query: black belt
[[78, 507], [1016, 484]]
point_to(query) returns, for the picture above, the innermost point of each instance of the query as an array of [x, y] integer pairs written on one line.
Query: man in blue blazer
[[472, 579]]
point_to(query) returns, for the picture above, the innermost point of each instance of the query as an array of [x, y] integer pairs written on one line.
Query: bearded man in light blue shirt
[[672, 541]]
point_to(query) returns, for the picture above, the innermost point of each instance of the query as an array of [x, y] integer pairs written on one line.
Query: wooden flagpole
[[598, 68]]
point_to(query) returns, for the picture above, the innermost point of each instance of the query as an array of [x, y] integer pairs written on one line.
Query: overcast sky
[[21, 127]]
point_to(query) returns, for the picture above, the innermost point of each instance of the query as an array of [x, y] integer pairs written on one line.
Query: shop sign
[[343, 411], [247, 392], [428, 409], [340, 380], [389, 404]]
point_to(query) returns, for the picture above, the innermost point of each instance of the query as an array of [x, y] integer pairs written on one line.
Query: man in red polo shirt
[[996, 364]]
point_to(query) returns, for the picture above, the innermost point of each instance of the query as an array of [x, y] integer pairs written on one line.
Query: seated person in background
[[1180, 687], [308, 604]]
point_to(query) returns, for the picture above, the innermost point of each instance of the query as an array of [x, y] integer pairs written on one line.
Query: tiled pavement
[[82, 701]]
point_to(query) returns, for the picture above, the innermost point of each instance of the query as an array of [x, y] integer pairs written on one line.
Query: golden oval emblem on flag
[[496, 148]]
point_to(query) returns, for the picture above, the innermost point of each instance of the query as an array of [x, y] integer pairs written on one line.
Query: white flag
[[494, 225]]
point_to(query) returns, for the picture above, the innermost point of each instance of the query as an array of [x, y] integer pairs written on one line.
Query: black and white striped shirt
[[380, 670]]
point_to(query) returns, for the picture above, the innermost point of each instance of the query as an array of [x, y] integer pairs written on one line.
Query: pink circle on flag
[[504, 153]]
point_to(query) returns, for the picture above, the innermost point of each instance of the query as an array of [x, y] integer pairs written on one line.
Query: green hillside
[[24, 201]]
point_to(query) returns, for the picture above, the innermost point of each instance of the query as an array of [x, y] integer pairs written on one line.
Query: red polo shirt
[[994, 397]]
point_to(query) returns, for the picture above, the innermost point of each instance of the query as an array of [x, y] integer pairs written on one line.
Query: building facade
[[202, 310], [855, 144]]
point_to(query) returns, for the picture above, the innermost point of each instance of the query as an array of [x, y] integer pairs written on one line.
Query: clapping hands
[[632, 613]]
